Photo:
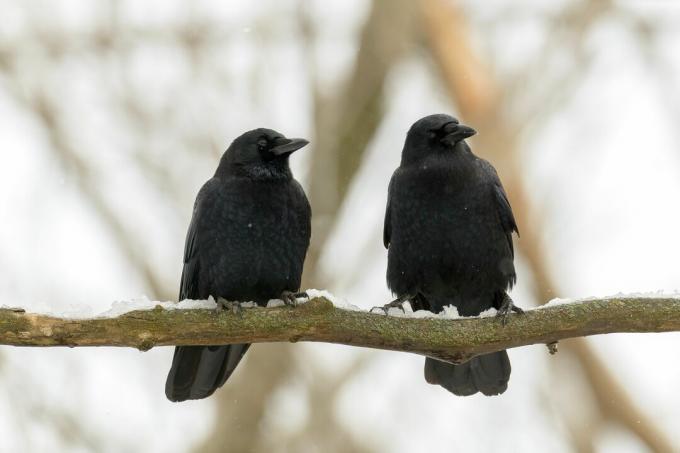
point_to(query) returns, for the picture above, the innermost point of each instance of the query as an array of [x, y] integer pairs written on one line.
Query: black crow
[[247, 241], [448, 230]]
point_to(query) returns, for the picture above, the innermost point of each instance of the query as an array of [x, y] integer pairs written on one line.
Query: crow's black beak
[[457, 132], [285, 146]]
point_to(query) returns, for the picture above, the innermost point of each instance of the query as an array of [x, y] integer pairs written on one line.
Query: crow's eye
[[432, 133], [262, 144]]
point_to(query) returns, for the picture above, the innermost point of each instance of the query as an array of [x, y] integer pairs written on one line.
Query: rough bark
[[453, 340]]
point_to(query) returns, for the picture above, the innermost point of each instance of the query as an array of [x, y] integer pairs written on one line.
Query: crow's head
[[434, 133], [260, 153]]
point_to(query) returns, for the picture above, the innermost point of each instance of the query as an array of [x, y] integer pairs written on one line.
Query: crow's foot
[[506, 307], [396, 303], [234, 307], [290, 297]]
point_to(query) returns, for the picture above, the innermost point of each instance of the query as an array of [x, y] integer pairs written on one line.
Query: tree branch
[[319, 320]]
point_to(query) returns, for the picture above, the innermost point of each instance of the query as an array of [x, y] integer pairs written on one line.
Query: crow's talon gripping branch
[[290, 297], [506, 307], [234, 307], [396, 303]]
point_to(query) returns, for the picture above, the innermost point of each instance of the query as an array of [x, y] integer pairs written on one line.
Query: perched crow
[[448, 230], [246, 242]]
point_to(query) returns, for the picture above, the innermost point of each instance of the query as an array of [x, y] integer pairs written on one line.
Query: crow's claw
[[290, 297], [234, 307], [396, 303], [507, 306]]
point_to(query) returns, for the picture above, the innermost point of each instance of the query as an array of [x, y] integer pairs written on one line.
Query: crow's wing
[[197, 371], [387, 227], [502, 204], [189, 286]]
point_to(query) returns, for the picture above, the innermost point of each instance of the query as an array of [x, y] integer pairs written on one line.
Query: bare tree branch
[[320, 321]]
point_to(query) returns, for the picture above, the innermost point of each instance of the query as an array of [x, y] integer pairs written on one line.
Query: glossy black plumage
[[448, 229], [247, 241]]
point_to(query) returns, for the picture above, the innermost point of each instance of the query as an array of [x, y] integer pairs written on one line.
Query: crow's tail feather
[[197, 371], [488, 373]]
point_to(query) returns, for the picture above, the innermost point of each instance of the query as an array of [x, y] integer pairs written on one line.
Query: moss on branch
[[318, 320]]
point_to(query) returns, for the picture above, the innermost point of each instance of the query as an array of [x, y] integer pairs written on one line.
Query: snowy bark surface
[[320, 320]]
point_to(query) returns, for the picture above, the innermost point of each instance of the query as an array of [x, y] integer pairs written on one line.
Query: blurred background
[[114, 113]]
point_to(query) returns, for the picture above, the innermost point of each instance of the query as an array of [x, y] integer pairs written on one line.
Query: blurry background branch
[[343, 126], [492, 107], [347, 122], [453, 340]]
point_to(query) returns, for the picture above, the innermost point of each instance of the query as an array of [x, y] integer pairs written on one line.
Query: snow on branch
[[440, 336]]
